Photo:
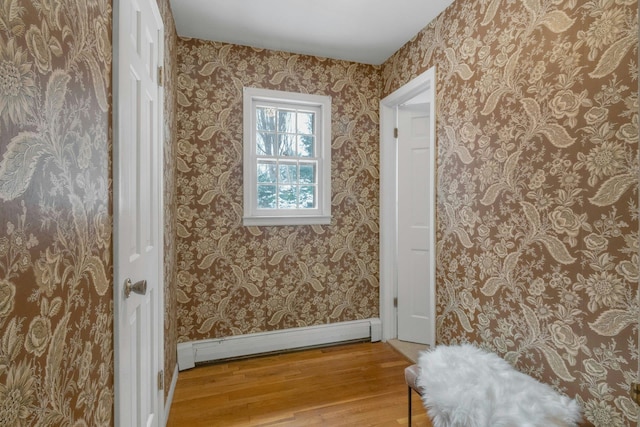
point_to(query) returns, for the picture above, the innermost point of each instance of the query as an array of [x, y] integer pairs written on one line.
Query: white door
[[415, 219], [138, 52], [420, 90]]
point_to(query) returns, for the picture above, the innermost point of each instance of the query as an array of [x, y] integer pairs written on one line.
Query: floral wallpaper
[[170, 200], [537, 192], [56, 314], [237, 280]]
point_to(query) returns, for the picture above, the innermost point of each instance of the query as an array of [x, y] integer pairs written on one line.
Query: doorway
[[407, 232]]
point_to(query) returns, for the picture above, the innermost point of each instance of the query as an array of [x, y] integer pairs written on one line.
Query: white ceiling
[[367, 31]]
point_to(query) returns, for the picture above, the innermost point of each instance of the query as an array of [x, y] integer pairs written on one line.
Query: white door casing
[[422, 86], [138, 221], [415, 210]]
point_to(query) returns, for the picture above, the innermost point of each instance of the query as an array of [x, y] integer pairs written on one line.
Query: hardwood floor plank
[[348, 385]]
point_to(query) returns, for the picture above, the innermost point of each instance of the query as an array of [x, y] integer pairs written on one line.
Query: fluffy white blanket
[[464, 386]]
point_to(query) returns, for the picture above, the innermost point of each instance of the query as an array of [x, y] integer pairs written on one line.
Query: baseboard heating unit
[[190, 353]]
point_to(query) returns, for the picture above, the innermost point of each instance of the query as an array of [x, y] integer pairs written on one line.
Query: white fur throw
[[464, 386]]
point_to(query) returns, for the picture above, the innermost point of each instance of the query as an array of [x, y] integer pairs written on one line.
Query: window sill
[[291, 220]]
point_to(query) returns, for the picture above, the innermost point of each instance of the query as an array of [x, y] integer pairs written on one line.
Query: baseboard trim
[[190, 353], [172, 389]]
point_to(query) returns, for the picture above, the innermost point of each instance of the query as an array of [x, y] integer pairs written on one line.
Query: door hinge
[[395, 132], [161, 379], [395, 302], [160, 76], [635, 393]]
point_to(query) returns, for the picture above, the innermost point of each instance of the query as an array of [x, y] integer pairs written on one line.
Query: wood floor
[[349, 385]]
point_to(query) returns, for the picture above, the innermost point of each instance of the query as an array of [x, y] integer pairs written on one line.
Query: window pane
[[286, 121], [307, 197], [306, 123], [266, 118], [307, 173], [287, 197], [267, 172], [266, 196], [265, 144], [287, 145], [288, 173], [306, 146]]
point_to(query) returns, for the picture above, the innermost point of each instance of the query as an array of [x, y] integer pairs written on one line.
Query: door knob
[[140, 287]]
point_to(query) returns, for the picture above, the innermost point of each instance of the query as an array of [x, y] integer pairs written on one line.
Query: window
[[287, 158]]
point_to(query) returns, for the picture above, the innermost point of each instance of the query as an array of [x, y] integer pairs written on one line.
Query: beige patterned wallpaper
[[56, 316], [170, 201], [537, 194], [237, 280], [537, 198]]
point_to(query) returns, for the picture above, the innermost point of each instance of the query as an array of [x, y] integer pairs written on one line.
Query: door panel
[[414, 224], [138, 225]]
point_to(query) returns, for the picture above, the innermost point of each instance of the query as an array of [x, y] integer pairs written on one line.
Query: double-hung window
[[287, 158]]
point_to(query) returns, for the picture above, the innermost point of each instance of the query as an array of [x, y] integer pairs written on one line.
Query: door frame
[[424, 84], [159, 165]]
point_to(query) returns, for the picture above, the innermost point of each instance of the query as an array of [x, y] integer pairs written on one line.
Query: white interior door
[[415, 218], [138, 52], [421, 89]]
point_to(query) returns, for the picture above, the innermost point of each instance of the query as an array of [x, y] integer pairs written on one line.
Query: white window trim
[[252, 215]]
